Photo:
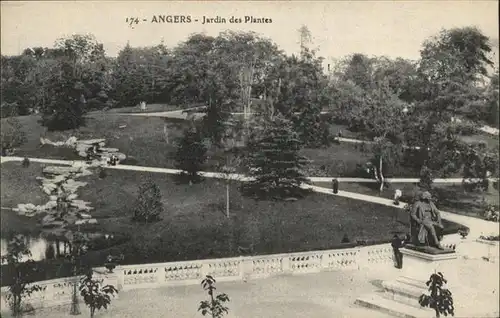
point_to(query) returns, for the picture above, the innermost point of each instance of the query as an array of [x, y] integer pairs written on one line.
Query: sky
[[339, 28]]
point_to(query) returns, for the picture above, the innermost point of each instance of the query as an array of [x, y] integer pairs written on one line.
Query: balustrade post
[[205, 270], [120, 277], [362, 257], [246, 267], [323, 262], [285, 263], [160, 275]]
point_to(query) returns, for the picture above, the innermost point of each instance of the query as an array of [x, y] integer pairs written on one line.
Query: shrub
[[465, 128], [148, 206], [345, 239], [191, 154], [95, 104], [490, 213], [490, 238], [12, 135], [426, 178]]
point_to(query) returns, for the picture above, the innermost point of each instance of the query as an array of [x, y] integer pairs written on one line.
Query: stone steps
[[403, 293], [391, 307], [399, 298]]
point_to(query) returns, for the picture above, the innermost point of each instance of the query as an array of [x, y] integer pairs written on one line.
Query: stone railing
[[130, 277], [252, 267], [57, 292]]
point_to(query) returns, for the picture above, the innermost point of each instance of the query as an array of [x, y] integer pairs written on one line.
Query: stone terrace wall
[[130, 277]]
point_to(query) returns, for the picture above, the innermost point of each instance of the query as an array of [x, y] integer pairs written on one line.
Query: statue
[[425, 223]]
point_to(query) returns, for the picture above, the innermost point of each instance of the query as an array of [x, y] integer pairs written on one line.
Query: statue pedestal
[[420, 262], [401, 294]]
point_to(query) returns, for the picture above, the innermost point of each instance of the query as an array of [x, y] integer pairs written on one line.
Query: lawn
[[194, 225], [451, 197], [143, 140]]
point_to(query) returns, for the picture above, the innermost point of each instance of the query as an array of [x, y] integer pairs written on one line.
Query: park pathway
[[181, 114], [477, 226], [233, 176]]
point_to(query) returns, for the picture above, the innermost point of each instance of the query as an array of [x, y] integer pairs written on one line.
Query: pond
[[44, 248], [37, 245]]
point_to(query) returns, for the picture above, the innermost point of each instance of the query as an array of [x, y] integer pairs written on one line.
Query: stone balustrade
[[57, 292], [130, 277]]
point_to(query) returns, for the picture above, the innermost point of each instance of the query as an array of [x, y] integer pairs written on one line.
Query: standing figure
[[396, 244], [425, 222], [397, 196], [335, 186]]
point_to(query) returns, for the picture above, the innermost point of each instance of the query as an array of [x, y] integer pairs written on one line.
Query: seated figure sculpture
[[425, 223]]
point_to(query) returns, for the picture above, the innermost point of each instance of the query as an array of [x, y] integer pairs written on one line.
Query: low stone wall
[[57, 292], [130, 277]]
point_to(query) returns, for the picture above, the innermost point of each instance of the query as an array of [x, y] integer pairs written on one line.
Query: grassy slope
[[194, 223], [143, 141]]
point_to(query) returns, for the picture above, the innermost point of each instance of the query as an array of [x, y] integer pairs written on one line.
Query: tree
[[301, 96], [12, 135], [359, 69], [215, 305], [480, 163], [148, 206], [491, 115], [228, 171], [452, 66], [94, 294], [81, 78], [385, 154], [67, 104], [141, 74], [191, 154], [19, 261], [470, 47], [78, 246], [440, 298], [305, 37], [275, 163], [383, 118]]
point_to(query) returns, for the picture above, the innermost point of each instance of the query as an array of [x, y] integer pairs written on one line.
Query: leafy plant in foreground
[[215, 305], [22, 285], [94, 294], [440, 298]]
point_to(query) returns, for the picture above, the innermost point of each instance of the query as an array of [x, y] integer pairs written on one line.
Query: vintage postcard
[[248, 159]]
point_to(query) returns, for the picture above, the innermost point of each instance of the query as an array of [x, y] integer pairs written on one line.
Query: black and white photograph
[[250, 159]]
